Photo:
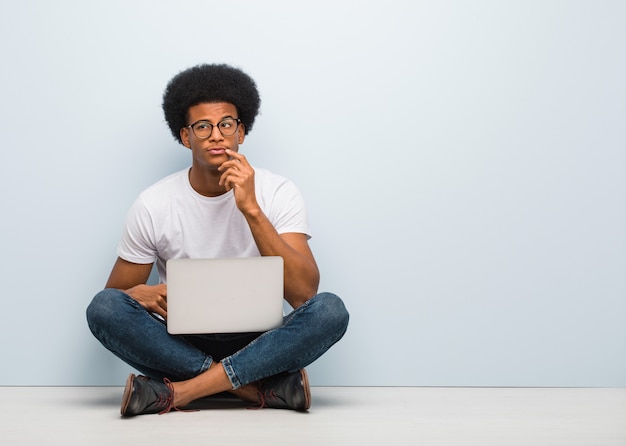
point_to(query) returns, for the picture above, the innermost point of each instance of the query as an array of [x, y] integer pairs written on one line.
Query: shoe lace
[[264, 398], [167, 401]]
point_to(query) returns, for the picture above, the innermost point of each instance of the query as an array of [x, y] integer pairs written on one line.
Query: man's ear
[[242, 133], [184, 137]]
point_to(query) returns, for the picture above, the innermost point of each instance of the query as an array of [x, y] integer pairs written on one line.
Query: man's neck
[[206, 182]]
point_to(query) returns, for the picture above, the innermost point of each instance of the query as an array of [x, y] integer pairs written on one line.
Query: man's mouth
[[217, 150]]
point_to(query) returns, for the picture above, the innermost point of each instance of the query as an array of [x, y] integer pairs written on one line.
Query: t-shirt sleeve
[[137, 244], [289, 211]]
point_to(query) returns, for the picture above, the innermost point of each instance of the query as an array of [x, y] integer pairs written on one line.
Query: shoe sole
[[128, 391], [307, 389]]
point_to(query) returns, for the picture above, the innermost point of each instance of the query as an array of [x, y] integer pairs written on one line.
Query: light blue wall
[[463, 162]]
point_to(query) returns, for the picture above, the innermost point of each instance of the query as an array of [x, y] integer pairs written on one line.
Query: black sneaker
[[143, 395], [286, 391]]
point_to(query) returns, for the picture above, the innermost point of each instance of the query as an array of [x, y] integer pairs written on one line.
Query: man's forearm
[[301, 272]]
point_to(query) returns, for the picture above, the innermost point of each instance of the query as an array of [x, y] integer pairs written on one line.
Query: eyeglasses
[[203, 129]]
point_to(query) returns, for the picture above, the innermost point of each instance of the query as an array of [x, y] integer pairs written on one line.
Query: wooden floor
[[389, 416]]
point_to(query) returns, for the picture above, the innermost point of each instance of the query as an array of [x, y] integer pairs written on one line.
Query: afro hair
[[210, 83]]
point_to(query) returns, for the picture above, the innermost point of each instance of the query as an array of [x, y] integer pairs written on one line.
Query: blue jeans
[[141, 340]]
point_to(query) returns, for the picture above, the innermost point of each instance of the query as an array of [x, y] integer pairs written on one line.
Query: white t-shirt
[[171, 220]]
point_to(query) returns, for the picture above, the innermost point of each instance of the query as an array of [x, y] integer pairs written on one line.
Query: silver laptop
[[224, 295]]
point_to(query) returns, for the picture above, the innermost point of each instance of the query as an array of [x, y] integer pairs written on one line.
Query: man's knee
[[102, 308], [335, 313]]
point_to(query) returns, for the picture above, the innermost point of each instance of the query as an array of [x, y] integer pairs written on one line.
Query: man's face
[[210, 152]]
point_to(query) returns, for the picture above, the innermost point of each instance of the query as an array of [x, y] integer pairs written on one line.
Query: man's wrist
[[254, 213]]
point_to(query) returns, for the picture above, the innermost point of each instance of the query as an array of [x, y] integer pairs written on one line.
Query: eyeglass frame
[[190, 126]]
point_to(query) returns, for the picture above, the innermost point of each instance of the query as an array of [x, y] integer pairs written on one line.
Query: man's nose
[[215, 135]]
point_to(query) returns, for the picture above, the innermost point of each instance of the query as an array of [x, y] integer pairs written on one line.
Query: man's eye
[[203, 126], [226, 124]]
